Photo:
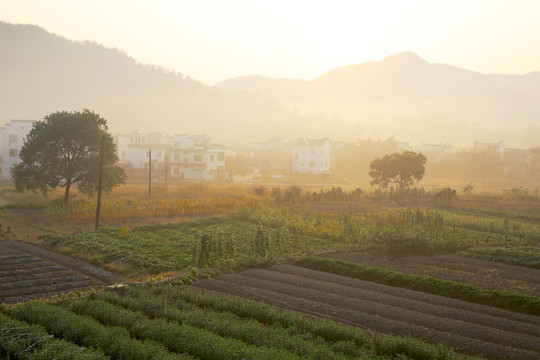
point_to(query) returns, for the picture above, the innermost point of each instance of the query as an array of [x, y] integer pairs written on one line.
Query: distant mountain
[[402, 96], [41, 73], [414, 98]]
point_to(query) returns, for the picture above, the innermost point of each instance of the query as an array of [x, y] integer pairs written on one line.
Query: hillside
[[42, 73], [402, 96], [417, 99]]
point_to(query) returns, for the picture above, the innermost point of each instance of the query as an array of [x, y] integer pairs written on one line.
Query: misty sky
[[214, 40]]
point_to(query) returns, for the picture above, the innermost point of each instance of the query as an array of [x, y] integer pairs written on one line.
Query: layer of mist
[[402, 96]]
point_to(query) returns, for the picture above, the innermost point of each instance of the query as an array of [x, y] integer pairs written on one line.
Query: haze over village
[[258, 124], [270, 180]]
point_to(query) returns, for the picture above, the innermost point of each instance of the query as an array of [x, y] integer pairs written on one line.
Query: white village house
[[186, 157], [311, 156], [13, 135], [194, 158]]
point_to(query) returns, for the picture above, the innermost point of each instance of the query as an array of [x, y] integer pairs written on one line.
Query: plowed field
[[470, 328], [28, 272], [484, 274]]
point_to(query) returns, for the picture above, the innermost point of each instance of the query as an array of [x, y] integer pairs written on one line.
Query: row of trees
[[64, 150]]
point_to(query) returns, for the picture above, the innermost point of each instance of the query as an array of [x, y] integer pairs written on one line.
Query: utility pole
[[149, 173], [98, 207], [166, 169]]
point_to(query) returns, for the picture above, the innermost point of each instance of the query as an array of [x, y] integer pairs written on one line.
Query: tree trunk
[[66, 194]]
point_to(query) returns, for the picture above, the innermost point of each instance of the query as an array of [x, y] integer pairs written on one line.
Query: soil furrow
[[460, 310], [283, 284], [362, 319]]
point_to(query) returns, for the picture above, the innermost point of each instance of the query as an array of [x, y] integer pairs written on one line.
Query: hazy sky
[[214, 40]]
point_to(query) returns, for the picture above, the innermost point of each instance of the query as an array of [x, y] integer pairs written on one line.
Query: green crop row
[[498, 298], [227, 324], [22, 341], [341, 338], [85, 331], [182, 338], [522, 256]]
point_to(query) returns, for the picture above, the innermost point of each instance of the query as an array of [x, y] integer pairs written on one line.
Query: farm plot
[[484, 274], [470, 328], [28, 272]]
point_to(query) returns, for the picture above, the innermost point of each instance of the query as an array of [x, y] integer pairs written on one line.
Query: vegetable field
[[260, 235], [468, 327], [166, 322], [28, 272]]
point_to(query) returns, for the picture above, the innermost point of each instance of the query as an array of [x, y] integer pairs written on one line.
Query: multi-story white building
[[13, 135], [181, 156], [133, 149], [311, 156], [194, 158]]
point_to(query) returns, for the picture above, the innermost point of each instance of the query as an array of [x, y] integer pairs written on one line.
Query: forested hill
[[41, 73]]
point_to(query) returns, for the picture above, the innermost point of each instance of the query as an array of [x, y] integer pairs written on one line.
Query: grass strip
[[498, 298], [343, 338], [522, 256], [23, 341], [201, 343], [85, 331]]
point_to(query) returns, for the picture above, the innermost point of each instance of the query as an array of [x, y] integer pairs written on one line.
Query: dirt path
[[29, 272], [470, 328], [484, 274]]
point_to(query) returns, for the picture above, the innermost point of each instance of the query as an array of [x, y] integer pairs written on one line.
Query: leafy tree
[[63, 150], [401, 169]]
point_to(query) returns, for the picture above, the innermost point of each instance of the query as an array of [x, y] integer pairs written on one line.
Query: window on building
[[176, 157], [176, 144], [312, 152], [13, 138], [13, 152], [312, 164], [159, 154], [211, 157], [296, 157], [176, 171], [198, 157], [221, 156]]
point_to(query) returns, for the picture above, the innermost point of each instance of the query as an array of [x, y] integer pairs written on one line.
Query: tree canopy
[[401, 169], [65, 149]]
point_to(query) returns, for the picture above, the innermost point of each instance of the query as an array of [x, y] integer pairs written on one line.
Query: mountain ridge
[[401, 95]]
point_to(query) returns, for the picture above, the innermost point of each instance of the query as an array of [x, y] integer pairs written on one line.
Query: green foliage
[[323, 333], [64, 150], [503, 299], [180, 323], [522, 256], [179, 337], [213, 242], [83, 330], [23, 341], [401, 169], [259, 235], [444, 197]]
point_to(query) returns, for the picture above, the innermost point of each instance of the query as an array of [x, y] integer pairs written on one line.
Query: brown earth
[[29, 272], [469, 328], [484, 274]]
